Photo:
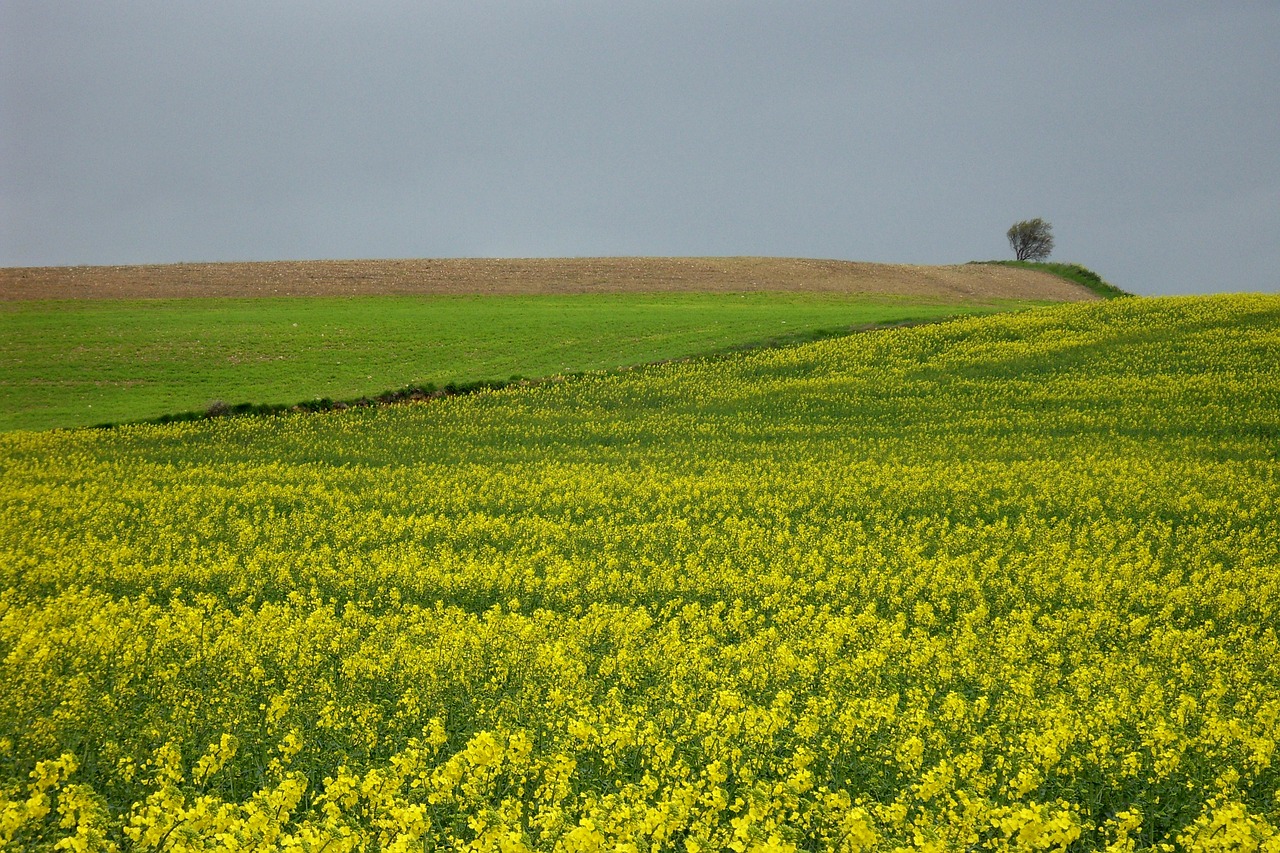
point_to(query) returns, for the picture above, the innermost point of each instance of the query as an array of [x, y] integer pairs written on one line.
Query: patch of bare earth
[[485, 276]]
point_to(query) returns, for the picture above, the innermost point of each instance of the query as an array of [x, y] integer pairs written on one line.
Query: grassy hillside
[[1076, 273], [999, 583], [79, 363]]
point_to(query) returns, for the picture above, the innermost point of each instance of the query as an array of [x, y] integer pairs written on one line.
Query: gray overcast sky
[[916, 132]]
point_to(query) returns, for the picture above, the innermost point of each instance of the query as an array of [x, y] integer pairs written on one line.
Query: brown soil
[[530, 276]]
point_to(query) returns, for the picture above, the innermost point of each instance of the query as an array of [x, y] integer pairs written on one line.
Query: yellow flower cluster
[[1009, 583]]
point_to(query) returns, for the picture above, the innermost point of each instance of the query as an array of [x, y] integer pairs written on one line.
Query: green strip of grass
[[1071, 272], [71, 364]]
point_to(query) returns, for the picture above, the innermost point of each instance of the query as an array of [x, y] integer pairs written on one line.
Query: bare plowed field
[[530, 276]]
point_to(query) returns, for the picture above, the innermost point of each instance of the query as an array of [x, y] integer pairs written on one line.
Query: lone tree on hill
[[1032, 240]]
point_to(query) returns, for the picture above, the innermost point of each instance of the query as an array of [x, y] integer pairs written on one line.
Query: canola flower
[[1010, 583]]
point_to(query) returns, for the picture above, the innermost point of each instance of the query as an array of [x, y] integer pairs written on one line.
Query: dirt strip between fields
[[487, 276]]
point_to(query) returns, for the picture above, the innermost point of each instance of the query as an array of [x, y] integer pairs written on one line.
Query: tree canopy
[[1031, 239]]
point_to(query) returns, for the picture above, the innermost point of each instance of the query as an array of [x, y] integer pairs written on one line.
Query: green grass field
[[1003, 583], [81, 363]]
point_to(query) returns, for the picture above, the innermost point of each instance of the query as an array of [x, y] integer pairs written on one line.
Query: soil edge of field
[[531, 276]]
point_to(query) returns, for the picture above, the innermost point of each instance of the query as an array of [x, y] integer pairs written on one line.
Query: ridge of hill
[[530, 276]]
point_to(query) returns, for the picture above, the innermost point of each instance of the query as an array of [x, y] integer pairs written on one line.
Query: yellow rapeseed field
[[1009, 583]]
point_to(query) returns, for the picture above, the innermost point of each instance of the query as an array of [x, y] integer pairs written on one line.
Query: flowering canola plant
[[1009, 583]]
